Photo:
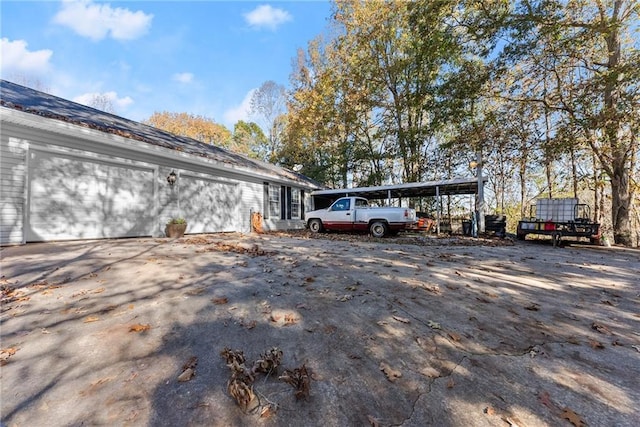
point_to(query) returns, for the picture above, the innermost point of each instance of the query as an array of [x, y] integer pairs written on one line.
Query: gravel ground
[[406, 331]]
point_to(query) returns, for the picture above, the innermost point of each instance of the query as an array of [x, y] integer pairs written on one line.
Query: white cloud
[[17, 59], [241, 112], [97, 21], [183, 77], [93, 98], [266, 16]]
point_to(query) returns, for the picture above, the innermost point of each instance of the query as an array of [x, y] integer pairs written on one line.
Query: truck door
[[340, 215]]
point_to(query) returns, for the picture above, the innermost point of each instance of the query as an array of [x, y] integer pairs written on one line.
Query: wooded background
[[546, 91]]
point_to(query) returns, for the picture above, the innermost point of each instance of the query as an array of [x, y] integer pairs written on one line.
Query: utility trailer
[[559, 218]]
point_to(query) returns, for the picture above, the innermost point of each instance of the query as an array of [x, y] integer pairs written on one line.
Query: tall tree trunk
[[619, 174], [574, 171], [596, 190]]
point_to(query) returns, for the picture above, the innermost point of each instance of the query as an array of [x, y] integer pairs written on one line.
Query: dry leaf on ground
[[298, 379], [91, 319], [139, 327], [220, 300], [392, 374], [188, 369], [596, 344], [401, 319], [433, 325], [573, 418], [454, 336], [601, 328], [6, 353]]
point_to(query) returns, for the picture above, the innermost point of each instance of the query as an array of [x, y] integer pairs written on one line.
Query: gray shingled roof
[[28, 100]]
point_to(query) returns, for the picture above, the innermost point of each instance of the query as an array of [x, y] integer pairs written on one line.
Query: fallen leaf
[[401, 319], [309, 279], [392, 374], [596, 344], [9, 351], [637, 347], [98, 291], [251, 324], [454, 336], [186, 375], [573, 418], [290, 319], [275, 317], [433, 325], [489, 411], [451, 383], [266, 412], [601, 328], [188, 369], [220, 301], [532, 307], [373, 421], [139, 328], [298, 379], [512, 421], [91, 319]]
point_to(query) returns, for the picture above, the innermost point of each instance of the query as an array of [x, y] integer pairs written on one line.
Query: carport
[[437, 189]]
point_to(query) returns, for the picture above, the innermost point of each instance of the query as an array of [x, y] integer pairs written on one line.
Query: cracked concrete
[[409, 331]]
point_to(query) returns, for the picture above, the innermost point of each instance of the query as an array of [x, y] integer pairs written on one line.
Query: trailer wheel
[[315, 225], [378, 229]]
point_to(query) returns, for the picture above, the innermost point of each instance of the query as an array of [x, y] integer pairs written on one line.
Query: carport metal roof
[[414, 189]]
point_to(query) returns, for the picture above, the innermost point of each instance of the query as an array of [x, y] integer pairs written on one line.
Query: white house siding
[[12, 188], [79, 197], [250, 202]]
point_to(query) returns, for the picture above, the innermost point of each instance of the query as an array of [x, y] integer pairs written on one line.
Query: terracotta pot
[[175, 230]]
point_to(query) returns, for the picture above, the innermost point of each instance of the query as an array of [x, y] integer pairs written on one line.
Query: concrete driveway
[[404, 332]]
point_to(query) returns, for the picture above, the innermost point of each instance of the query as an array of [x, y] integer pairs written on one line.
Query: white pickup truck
[[355, 214]]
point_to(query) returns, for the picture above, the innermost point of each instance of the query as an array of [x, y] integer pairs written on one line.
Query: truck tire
[[378, 229], [315, 225]]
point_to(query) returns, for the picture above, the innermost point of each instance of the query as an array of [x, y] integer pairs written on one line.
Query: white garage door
[[208, 205], [78, 198]]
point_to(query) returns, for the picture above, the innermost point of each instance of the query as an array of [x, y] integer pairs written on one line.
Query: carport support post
[[437, 209], [480, 195]]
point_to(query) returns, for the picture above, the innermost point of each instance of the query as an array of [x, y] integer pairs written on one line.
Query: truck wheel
[[378, 229], [315, 225]]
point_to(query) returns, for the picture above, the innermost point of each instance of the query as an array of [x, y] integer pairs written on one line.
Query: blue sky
[[200, 57]]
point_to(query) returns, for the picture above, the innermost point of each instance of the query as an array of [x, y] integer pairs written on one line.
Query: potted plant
[[175, 227]]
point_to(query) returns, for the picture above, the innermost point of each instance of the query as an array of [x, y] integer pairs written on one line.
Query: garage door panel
[[209, 206], [78, 198]]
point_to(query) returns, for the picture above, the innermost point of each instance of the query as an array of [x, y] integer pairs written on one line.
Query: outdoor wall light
[[172, 178]]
